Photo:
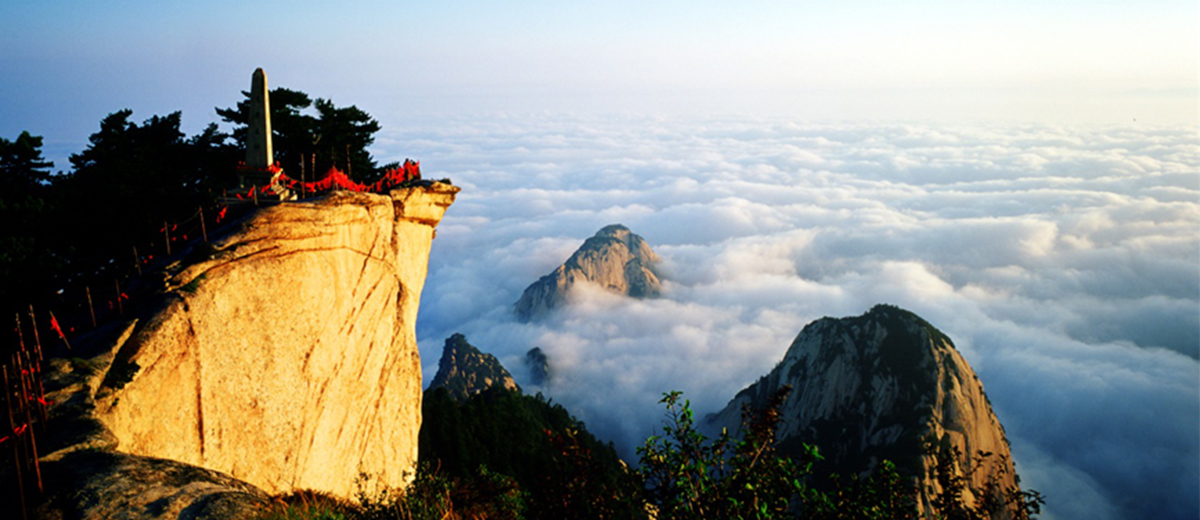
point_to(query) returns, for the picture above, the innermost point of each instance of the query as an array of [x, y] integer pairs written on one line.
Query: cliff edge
[[284, 355]]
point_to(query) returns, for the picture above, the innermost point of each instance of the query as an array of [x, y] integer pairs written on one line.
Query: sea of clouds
[[1063, 261]]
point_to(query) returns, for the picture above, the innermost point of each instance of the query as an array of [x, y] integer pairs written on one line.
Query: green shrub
[[689, 477], [194, 285]]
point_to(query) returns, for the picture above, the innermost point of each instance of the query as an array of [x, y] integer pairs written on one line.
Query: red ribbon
[[16, 433], [335, 178], [54, 326]]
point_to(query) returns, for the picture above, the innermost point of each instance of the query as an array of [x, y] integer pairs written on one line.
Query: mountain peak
[[615, 258], [883, 385], [464, 370], [614, 229], [539, 366]]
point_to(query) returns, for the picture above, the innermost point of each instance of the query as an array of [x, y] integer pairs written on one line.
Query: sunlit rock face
[[465, 371], [286, 357], [614, 259], [881, 386]]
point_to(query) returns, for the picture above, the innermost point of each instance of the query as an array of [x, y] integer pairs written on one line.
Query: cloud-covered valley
[[1063, 261]]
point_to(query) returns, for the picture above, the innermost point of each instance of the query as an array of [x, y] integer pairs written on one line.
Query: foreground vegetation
[[501, 455]]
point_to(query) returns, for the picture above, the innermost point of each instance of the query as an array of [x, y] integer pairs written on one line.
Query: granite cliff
[[465, 371], [884, 385], [281, 357], [614, 258]]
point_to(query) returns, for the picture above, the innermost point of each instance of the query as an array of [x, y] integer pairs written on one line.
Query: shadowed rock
[[107, 484], [880, 386], [539, 366], [465, 371]]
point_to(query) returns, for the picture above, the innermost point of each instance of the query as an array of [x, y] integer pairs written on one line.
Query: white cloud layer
[[1062, 261]]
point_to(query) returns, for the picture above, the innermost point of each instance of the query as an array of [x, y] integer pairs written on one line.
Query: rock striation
[[465, 371], [614, 258], [884, 385], [281, 357]]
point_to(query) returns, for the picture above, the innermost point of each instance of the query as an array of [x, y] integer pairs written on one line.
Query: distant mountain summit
[[885, 385], [465, 371], [538, 365], [614, 258]]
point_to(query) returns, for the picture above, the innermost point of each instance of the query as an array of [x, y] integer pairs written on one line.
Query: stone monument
[[259, 168], [258, 133]]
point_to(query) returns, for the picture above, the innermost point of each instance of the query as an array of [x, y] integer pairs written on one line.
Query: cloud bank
[[1061, 260]]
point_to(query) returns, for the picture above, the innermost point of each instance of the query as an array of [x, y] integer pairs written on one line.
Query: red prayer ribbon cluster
[[336, 179], [15, 433]]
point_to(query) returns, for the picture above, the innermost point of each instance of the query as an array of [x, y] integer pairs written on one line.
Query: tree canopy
[[130, 178], [133, 176], [317, 132], [24, 182], [563, 470], [21, 164]]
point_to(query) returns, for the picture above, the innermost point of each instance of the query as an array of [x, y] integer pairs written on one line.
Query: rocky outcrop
[[614, 258], [465, 371], [108, 484], [85, 477], [281, 357], [538, 365], [884, 385]]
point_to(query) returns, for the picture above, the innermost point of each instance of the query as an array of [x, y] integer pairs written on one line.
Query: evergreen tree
[[25, 259], [129, 180], [343, 135], [563, 470], [132, 177], [294, 133], [22, 166], [322, 141]]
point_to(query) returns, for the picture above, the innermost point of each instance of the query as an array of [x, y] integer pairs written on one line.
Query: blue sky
[[67, 64]]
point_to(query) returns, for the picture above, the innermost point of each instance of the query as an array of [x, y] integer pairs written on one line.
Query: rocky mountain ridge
[[464, 370], [614, 258], [884, 385]]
